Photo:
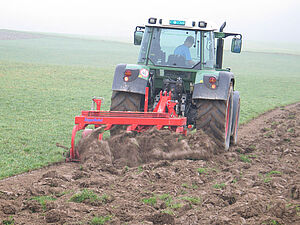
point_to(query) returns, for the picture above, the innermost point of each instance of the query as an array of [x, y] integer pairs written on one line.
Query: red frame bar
[[146, 99], [140, 119]]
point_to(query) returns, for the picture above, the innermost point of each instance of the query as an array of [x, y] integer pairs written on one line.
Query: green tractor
[[179, 56]]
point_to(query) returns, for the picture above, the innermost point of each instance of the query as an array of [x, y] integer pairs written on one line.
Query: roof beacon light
[[177, 22], [152, 20], [202, 24]]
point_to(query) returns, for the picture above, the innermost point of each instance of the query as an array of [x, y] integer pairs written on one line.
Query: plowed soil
[[159, 177]]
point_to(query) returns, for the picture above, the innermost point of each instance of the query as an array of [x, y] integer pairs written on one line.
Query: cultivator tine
[[132, 127], [159, 127], [72, 150]]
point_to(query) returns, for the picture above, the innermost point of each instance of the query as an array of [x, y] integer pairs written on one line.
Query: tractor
[[204, 91], [177, 83]]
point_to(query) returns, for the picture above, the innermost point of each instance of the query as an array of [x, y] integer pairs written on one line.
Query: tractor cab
[[180, 54], [183, 48], [182, 44]]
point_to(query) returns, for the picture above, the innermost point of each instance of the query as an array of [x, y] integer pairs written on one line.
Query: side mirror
[[138, 36], [236, 45]]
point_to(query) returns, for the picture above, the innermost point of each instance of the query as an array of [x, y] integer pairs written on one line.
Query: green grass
[[245, 158], [105, 198], [219, 186], [140, 169], [168, 211], [85, 194], [193, 200], [150, 201], [68, 51], [46, 82], [9, 221], [193, 186], [38, 106], [268, 175], [185, 185], [202, 170], [100, 220], [264, 80], [273, 172], [167, 198], [43, 200], [271, 222], [176, 206]]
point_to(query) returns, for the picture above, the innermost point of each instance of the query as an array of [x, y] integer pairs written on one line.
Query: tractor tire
[[124, 101], [214, 117], [235, 118]]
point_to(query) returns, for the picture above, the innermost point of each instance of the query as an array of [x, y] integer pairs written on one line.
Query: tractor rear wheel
[[235, 118], [124, 101], [214, 117]]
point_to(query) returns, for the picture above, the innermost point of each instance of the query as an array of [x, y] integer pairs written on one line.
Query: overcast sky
[[275, 20]]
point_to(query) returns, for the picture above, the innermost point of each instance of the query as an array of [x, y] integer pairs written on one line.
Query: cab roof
[[186, 24]]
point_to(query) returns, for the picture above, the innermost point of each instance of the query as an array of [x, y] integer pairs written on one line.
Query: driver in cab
[[184, 50]]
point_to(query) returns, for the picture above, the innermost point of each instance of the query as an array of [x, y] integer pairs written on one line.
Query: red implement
[[136, 121]]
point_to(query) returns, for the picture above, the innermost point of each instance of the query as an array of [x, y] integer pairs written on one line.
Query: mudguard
[[137, 81], [202, 87]]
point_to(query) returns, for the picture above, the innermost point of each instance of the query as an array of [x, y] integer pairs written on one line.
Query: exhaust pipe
[[220, 45]]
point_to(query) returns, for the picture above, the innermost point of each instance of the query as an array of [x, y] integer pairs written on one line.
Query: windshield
[[176, 48]]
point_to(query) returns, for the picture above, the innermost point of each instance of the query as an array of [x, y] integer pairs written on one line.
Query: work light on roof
[[177, 22], [202, 24], [152, 20]]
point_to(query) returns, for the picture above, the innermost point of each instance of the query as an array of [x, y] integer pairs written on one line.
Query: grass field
[[68, 51], [45, 82]]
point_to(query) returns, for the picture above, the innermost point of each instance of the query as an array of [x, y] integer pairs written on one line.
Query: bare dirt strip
[[159, 177]]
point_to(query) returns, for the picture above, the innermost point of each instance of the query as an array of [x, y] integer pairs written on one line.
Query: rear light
[[212, 80], [127, 73]]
